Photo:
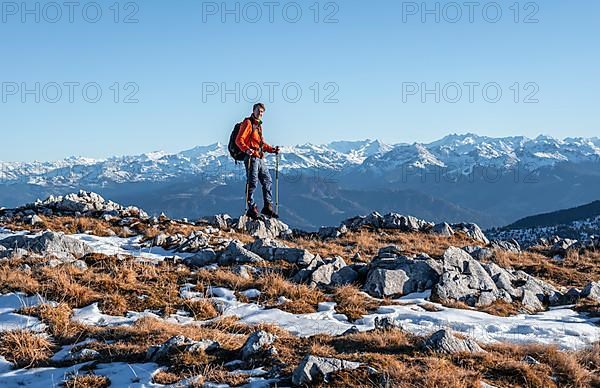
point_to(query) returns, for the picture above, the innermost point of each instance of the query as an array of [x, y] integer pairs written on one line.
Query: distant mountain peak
[[459, 151]]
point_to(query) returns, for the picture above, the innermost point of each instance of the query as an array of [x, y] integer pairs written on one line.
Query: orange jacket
[[250, 137]]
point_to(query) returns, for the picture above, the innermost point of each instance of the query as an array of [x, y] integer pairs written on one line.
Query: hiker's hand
[[249, 152], [276, 150]]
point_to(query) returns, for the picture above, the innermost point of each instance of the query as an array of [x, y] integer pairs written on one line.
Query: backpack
[[235, 152]]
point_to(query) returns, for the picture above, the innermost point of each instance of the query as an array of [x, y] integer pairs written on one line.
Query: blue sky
[[363, 63]]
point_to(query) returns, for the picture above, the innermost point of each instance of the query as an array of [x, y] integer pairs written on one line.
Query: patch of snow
[[4, 365], [126, 246], [562, 326], [64, 352], [120, 375], [91, 315], [221, 292], [251, 293], [11, 321]]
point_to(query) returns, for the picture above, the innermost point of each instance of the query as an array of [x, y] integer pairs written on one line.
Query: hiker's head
[[258, 110]]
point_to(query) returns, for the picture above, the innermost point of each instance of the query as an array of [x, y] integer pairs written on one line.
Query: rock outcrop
[[464, 279], [82, 203], [313, 368], [52, 244], [443, 341], [392, 274], [267, 228]]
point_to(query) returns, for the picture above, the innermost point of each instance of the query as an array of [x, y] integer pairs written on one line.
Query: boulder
[[201, 258], [401, 275], [49, 244], [305, 273], [442, 229], [343, 276], [298, 256], [544, 292], [405, 223], [179, 343], [443, 341], [314, 369], [478, 253], [531, 302], [389, 221], [83, 203], [471, 230], [389, 251], [221, 221], [561, 246], [265, 247], [268, 228], [79, 264], [160, 240], [236, 253], [374, 220], [256, 344], [321, 277], [507, 245], [194, 243], [591, 291], [386, 323], [571, 296], [464, 279], [34, 220], [503, 279], [332, 232]]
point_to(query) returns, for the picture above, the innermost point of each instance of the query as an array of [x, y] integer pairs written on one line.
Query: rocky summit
[[89, 285]]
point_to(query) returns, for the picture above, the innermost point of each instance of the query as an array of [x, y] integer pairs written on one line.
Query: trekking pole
[[277, 183], [247, 185]]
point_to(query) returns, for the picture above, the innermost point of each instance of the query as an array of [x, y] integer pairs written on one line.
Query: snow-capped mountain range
[[581, 230], [453, 152]]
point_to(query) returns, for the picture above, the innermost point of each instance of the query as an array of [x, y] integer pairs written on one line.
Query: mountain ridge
[[453, 152]]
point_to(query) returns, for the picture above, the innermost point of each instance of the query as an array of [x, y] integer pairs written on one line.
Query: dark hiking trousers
[[258, 172]]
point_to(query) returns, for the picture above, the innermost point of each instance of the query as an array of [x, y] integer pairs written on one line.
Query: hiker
[[250, 141]]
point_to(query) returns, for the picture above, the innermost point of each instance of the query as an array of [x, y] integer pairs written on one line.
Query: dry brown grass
[[25, 348], [400, 361], [165, 378], [377, 341], [99, 227], [12, 280], [590, 359], [503, 309], [395, 354], [433, 372], [556, 368], [367, 243], [303, 299], [201, 309], [87, 381], [223, 278], [61, 327], [576, 270], [61, 284], [352, 302], [70, 225], [119, 285]]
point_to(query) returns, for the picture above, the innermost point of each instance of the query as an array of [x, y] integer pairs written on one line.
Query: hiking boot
[[269, 211], [253, 212]]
